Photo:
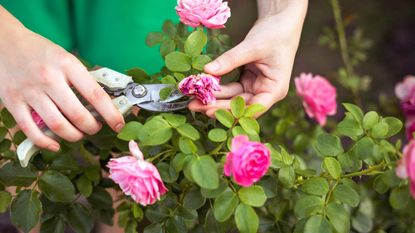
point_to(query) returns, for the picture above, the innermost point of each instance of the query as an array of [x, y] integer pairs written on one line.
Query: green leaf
[[224, 117], [225, 205], [195, 43], [238, 107], [167, 172], [254, 109], [189, 131], [338, 217], [238, 130], [332, 166], [7, 118], [370, 119], [328, 145], [130, 131], [79, 218], [204, 172], [317, 224], [18, 137], [56, 187], [193, 199], [178, 62], [187, 146], [380, 130], [174, 120], [169, 28], [5, 199], [5, 145], [156, 131], [55, 224], [84, 185], [394, 126], [165, 93], [213, 193], [12, 174], [399, 198], [364, 148], [350, 128], [25, 210], [3, 133], [154, 38], [346, 194], [252, 196], [246, 219], [250, 125], [308, 205], [218, 135], [200, 61], [154, 228], [362, 223], [355, 111], [167, 46], [168, 79], [316, 186], [286, 176], [139, 75], [100, 199]]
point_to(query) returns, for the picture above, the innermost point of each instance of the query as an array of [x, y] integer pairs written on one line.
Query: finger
[[96, 96], [197, 106], [72, 108], [23, 117], [238, 56], [229, 90], [268, 99], [54, 119]]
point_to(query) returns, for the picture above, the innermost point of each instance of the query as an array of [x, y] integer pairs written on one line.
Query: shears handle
[[27, 149]]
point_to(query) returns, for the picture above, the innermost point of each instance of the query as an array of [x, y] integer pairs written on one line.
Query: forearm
[[273, 7]]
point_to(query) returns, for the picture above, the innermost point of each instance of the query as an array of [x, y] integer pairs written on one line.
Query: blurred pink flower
[[247, 161], [319, 96], [136, 177], [201, 86], [405, 91], [38, 120], [210, 13], [406, 167]]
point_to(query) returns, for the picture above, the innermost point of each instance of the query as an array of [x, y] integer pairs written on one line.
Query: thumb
[[240, 55]]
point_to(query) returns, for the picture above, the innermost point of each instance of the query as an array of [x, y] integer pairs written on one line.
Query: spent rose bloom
[[210, 13], [201, 86], [136, 177], [406, 167], [405, 91], [319, 96], [247, 161], [38, 120]]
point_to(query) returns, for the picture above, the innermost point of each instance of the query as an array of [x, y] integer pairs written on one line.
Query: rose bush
[[279, 173]]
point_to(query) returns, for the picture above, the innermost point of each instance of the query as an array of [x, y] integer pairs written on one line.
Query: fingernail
[[119, 127], [54, 148], [213, 66]]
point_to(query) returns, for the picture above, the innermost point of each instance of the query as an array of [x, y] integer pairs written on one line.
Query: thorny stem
[[159, 155], [377, 167]]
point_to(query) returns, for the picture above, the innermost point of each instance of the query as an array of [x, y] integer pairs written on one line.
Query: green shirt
[[108, 33]]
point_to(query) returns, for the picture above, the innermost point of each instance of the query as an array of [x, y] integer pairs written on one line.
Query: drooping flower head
[[247, 161], [209, 13], [319, 96], [406, 167], [201, 86], [405, 91], [136, 177]]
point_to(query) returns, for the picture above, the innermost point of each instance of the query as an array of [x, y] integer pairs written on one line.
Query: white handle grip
[[111, 79], [26, 150]]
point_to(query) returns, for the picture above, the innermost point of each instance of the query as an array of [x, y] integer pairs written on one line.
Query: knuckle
[[56, 125], [23, 126], [77, 117], [97, 95], [45, 75], [75, 137], [64, 58]]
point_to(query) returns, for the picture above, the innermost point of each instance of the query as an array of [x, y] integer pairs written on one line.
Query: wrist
[[272, 7]]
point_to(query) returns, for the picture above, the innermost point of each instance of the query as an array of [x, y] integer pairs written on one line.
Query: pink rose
[[406, 167], [247, 161], [136, 177], [210, 13], [319, 96], [38, 120], [201, 86], [405, 91]]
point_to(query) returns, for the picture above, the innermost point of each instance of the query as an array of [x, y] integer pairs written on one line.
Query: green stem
[[378, 167], [159, 155], [217, 149]]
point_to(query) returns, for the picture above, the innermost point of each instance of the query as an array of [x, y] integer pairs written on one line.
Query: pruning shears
[[127, 94]]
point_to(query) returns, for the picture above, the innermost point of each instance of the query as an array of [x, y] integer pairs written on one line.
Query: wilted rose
[[136, 177], [247, 161], [210, 13], [319, 96], [201, 86]]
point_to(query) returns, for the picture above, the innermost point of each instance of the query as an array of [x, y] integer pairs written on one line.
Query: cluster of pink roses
[[200, 86], [247, 162], [405, 91], [319, 96]]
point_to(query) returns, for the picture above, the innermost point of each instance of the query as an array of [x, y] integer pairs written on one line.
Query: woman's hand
[[268, 53], [37, 74]]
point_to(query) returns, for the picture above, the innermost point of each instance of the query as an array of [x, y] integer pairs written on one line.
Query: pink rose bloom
[[410, 127], [136, 177], [247, 161], [38, 120], [201, 86], [405, 91], [406, 167], [210, 13], [319, 96]]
